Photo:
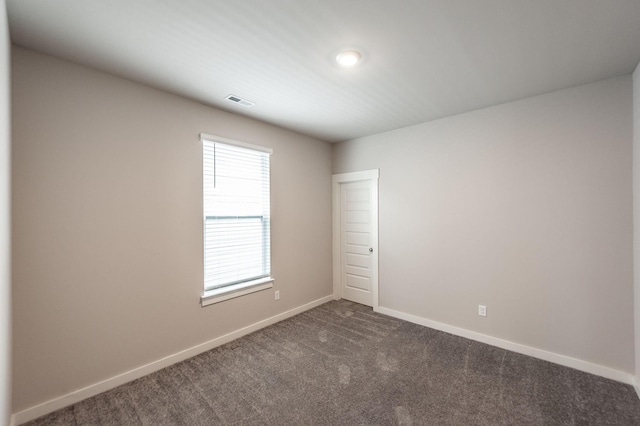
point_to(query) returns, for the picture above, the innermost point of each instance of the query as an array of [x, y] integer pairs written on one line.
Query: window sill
[[221, 294]]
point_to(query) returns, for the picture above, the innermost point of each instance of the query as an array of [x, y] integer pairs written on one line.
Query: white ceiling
[[423, 59]]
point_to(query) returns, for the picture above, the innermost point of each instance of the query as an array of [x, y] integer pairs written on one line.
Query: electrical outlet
[[277, 294], [482, 310]]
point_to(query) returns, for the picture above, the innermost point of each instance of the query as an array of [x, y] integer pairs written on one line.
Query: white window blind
[[236, 214]]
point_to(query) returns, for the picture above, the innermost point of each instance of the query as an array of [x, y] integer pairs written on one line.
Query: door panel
[[355, 237], [359, 239], [355, 281]]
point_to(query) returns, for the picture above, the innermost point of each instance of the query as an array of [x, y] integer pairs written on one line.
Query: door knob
[[370, 249]]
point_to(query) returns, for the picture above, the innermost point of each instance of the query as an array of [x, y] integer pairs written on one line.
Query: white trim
[[213, 138], [578, 364], [337, 180], [636, 385], [225, 293], [50, 406], [356, 176]]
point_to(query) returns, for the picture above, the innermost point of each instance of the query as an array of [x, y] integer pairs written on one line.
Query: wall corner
[[636, 221]]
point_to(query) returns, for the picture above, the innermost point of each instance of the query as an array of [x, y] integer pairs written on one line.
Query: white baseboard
[[105, 385], [636, 385], [567, 361]]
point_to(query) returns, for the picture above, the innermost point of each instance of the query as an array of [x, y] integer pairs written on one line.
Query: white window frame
[[221, 294]]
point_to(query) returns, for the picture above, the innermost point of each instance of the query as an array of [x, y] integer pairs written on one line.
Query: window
[[237, 254]]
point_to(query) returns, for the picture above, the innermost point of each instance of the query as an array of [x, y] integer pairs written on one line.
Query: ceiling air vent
[[238, 100]]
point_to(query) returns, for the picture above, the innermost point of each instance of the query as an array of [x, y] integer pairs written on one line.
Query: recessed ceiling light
[[348, 58]]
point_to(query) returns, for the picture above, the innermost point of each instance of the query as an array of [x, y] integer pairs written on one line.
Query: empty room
[[298, 212]]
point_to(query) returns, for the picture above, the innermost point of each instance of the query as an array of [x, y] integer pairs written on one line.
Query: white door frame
[[337, 180]]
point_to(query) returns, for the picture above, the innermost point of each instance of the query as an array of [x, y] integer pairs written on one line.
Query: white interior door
[[356, 237]]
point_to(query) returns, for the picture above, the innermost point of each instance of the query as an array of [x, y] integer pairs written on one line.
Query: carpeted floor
[[343, 364]]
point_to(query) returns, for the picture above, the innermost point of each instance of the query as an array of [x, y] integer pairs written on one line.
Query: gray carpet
[[343, 364]]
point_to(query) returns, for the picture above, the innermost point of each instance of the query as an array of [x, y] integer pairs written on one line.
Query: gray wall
[[107, 224], [636, 213], [524, 207], [5, 298]]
